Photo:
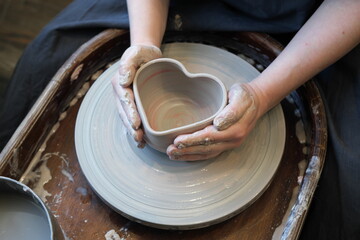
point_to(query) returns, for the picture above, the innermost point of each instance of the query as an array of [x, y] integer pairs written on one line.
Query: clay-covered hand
[[130, 62], [228, 131]]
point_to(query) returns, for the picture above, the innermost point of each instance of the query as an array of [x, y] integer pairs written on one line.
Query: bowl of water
[[23, 215]]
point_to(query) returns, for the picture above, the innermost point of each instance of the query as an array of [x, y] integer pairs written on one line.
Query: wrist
[[147, 45], [147, 21], [261, 100]]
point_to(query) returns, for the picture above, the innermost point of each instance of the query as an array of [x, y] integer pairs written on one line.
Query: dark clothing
[[79, 22], [335, 209], [276, 16]]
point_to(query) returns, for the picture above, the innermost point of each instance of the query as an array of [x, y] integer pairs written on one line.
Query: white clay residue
[[44, 177], [35, 175], [68, 175], [80, 94], [109, 64], [242, 56], [82, 191], [279, 230], [73, 102], [300, 132], [177, 22], [249, 60], [124, 231], [122, 235], [40, 175], [75, 74], [96, 75], [302, 167], [315, 109], [259, 67], [58, 198], [290, 99], [112, 235], [14, 164], [62, 116], [305, 150]]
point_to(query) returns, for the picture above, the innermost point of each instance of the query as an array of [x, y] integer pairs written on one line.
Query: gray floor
[[20, 22]]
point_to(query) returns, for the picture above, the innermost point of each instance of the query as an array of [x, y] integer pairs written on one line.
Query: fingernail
[[221, 123], [218, 121]]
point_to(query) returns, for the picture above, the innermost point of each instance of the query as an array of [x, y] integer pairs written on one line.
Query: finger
[[136, 134], [128, 103], [199, 152], [207, 136], [132, 59], [202, 137], [234, 135], [126, 98], [239, 101], [189, 157], [202, 149], [126, 74]]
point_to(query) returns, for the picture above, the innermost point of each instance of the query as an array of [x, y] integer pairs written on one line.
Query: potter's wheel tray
[[144, 185]]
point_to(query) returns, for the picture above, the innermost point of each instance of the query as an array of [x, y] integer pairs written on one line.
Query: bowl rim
[[140, 107]]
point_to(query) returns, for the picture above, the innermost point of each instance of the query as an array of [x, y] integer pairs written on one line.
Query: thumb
[[132, 59], [126, 75], [239, 101]]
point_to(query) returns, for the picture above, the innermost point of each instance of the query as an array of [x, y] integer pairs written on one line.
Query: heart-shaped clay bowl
[[171, 101]]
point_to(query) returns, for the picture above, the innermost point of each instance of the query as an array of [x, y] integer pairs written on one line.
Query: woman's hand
[[130, 62], [329, 34], [228, 131]]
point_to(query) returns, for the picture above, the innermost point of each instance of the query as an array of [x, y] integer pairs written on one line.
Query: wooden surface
[[20, 22], [83, 215]]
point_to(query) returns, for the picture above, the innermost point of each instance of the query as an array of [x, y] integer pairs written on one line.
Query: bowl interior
[[172, 98], [21, 213]]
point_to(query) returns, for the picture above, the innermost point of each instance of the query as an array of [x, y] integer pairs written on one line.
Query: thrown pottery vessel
[[171, 101], [144, 186]]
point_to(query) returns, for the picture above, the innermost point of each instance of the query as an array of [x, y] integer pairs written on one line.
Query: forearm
[[330, 33], [147, 21]]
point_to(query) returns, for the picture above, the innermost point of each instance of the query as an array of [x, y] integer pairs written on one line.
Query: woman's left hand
[[228, 131]]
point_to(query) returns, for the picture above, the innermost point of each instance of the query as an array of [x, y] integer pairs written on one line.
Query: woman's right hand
[[130, 62]]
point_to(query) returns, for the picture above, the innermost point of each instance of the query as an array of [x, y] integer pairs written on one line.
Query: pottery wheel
[[145, 186]]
